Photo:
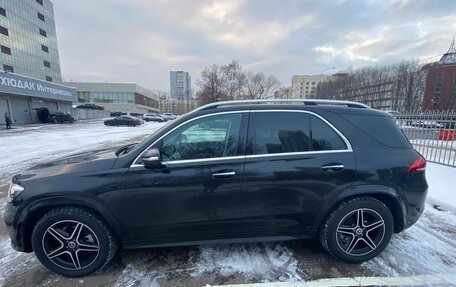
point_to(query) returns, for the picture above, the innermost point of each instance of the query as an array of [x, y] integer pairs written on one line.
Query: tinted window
[[383, 129], [209, 137], [43, 33], [8, 68], [44, 49], [4, 31], [279, 132], [5, 50], [2, 11], [49, 79], [323, 137], [41, 16], [47, 64]]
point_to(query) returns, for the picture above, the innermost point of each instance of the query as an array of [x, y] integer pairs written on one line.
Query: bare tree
[[211, 85], [234, 80], [260, 86], [395, 87]]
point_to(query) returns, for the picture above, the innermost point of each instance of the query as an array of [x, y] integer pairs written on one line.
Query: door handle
[[224, 174], [333, 167]]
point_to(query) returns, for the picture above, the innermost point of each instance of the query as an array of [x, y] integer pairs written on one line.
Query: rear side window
[[324, 137], [283, 132], [279, 132], [383, 129]]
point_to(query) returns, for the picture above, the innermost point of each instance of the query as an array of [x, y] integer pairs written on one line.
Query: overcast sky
[[142, 40]]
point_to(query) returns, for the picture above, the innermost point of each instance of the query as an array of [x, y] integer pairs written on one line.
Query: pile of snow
[[441, 180], [258, 262]]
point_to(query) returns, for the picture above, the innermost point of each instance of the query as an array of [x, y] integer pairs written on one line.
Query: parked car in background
[[60, 117], [117, 114], [90, 106], [123, 121], [46, 116], [336, 171], [169, 116], [427, 124], [153, 118]]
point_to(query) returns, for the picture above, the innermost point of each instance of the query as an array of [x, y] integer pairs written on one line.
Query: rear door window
[[279, 132], [288, 132]]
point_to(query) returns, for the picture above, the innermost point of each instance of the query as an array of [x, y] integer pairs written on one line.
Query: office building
[[117, 97], [305, 86], [28, 39], [440, 91], [21, 96], [181, 87]]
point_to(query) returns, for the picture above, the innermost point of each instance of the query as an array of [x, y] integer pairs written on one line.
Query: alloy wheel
[[70, 244], [360, 232]]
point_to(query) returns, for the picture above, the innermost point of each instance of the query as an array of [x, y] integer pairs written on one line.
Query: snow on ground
[[428, 247], [441, 180], [22, 148]]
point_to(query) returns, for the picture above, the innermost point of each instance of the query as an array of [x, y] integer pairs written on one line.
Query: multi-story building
[[118, 97], [29, 61], [181, 85], [28, 39], [305, 86], [440, 91]]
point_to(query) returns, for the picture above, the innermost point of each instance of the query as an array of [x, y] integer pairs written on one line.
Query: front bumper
[[13, 227]]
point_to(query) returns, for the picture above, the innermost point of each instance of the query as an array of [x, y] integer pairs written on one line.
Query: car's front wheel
[[73, 242], [357, 230]]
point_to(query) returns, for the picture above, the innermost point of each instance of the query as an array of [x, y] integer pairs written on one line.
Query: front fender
[[30, 214]]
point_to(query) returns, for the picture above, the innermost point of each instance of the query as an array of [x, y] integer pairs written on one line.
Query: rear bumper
[[415, 208]]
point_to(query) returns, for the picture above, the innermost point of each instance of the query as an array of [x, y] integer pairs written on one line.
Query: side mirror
[[151, 158]]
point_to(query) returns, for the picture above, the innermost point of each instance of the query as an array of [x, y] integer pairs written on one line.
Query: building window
[[7, 68], [4, 31], [2, 11], [6, 50], [47, 64], [39, 2], [43, 33], [44, 49], [41, 17], [49, 79], [313, 83]]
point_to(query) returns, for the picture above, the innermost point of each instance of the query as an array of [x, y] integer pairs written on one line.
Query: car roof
[[313, 108]]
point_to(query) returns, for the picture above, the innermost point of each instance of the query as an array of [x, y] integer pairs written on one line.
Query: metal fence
[[432, 134]]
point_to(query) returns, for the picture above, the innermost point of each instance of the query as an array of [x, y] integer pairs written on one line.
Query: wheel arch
[[33, 214], [386, 195]]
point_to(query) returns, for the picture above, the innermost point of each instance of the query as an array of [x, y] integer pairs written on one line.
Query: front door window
[[208, 137]]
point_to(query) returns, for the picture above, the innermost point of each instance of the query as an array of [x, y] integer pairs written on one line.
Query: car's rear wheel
[[357, 230], [73, 242]]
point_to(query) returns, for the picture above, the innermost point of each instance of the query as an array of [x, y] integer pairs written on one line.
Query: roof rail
[[304, 101]]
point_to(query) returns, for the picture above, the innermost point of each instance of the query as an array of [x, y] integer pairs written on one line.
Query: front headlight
[[14, 190]]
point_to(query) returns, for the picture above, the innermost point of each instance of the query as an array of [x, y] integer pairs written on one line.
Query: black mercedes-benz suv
[[237, 171]]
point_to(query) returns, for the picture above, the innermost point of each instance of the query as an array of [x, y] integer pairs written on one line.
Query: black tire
[[80, 243], [344, 238]]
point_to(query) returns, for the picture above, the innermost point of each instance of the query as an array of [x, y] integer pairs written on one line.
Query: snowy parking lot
[[425, 252]]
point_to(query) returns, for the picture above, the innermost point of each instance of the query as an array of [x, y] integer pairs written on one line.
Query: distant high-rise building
[[28, 39], [181, 85]]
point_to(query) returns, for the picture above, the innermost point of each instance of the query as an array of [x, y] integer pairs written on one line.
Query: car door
[[195, 194], [294, 160]]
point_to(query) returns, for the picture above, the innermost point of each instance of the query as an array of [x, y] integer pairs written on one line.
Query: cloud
[[141, 40]]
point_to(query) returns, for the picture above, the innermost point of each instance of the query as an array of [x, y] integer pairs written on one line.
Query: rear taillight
[[418, 165]]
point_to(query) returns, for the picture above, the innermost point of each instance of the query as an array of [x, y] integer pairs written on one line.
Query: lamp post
[[321, 75]]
